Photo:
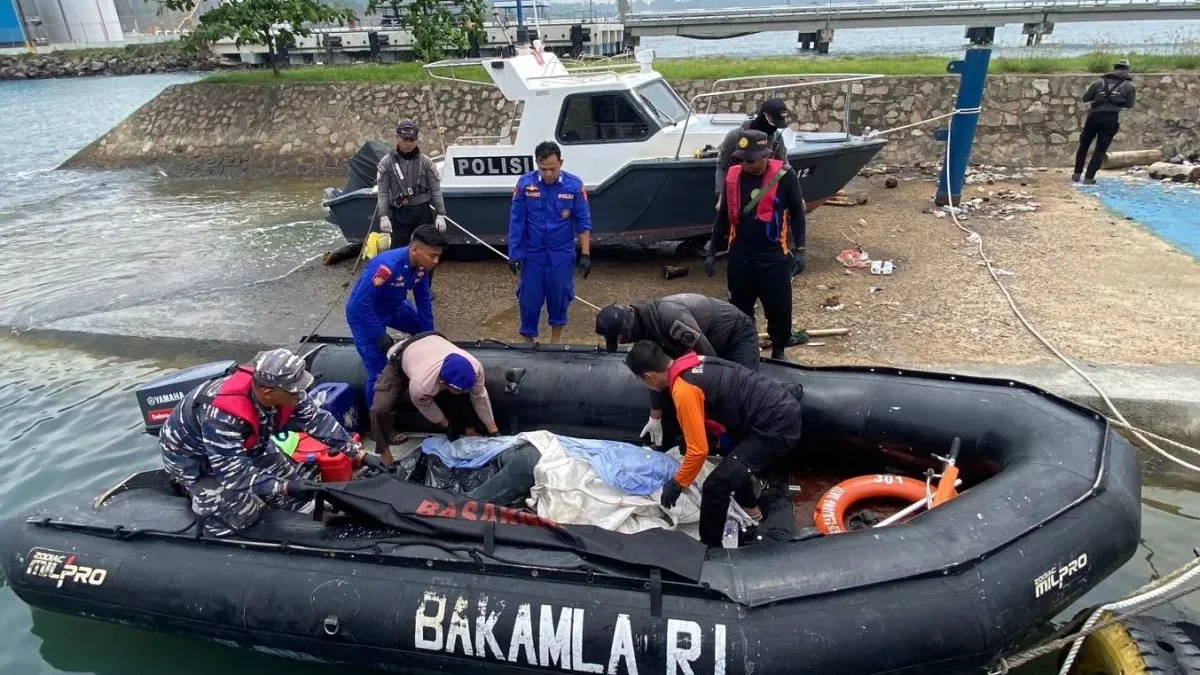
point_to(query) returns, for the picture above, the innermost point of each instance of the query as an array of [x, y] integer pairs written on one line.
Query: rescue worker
[[445, 384], [216, 444], [687, 322], [409, 185], [1108, 95], [380, 299], [755, 419], [549, 208], [760, 219], [771, 120]]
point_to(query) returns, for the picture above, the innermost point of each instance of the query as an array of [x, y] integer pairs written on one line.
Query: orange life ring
[[830, 514]]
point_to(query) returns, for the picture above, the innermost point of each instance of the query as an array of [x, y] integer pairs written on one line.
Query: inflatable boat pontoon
[[1049, 507]]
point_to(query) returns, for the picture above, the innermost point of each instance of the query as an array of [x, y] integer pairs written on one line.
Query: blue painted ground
[[1169, 210]]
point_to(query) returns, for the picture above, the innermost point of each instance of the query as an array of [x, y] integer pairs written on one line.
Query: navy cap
[[283, 370], [407, 129], [775, 110], [458, 372], [752, 145]]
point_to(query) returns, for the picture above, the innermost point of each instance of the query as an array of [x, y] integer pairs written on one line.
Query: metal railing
[[840, 79], [912, 6]]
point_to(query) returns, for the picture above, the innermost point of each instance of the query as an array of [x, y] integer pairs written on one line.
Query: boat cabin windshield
[[662, 100]]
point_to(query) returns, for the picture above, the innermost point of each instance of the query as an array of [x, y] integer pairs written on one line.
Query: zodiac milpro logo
[[64, 568]]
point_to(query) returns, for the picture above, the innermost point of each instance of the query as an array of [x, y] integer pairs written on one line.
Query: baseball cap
[[752, 145], [458, 372], [611, 323], [283, 370], [775, 110], [1123, 63], [406, 129]]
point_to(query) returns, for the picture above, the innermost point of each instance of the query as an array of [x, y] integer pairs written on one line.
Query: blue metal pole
[[520, 17], [973, 70]]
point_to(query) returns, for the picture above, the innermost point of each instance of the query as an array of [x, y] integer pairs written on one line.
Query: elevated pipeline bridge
[[817, 21]]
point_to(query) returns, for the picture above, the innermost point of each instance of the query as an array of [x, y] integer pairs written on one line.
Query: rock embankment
[[133, 60], [310, 129]]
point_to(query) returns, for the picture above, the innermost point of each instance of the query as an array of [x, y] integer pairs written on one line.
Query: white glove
[[385, 225], [654, 428], [440, 223]]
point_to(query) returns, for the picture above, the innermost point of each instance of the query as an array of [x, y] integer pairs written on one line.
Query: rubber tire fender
[[1138, 645]]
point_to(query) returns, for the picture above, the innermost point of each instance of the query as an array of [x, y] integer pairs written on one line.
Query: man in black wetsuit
[[1108, 96], [687, 322], [760, 219]]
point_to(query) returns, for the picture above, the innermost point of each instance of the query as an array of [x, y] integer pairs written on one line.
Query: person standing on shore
[[760, 219], [1108, 95], [410, 189], [549, 208], [771, 119]]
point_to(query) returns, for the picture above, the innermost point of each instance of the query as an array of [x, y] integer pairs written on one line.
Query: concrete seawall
[[311, 129]]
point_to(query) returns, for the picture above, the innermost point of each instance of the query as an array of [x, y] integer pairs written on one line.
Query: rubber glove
[[655, 430], [385, 225], [798, 262], [585, 265], [670, 494], [514, 266], [440, 223], [373, 461], [300, 489], [384, 342], [710, 265]]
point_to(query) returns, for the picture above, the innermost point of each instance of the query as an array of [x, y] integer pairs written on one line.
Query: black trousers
[[1101, 127], [732, 479], [768, 280], [407, 218]]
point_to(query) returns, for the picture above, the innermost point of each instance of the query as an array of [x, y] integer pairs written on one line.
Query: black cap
[[775, 110], [407, 129], [752, 145], [612, 322]]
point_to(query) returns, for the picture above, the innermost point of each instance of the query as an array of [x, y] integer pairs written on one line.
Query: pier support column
[[1033, 32], [807, 40], [824, 37], [973, 71]]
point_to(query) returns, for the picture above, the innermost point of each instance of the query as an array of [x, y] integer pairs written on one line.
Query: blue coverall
[[542, 225], [380, 300]]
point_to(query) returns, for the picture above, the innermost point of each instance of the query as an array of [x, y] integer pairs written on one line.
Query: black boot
[[778, 353]]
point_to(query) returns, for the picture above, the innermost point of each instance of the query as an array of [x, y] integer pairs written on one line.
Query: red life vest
[[687, 362], [234, 398], [764, 211]]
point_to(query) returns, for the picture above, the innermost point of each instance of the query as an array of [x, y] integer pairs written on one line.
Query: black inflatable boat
[[1050, 507]]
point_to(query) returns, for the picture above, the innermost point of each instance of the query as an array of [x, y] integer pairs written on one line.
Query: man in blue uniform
[[549, 207], [380, 299], [217, 442]]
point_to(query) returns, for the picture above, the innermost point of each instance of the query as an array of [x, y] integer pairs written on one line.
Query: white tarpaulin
[[567, 489]]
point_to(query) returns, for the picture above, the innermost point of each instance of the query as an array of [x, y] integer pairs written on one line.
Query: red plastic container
[[334, 468]]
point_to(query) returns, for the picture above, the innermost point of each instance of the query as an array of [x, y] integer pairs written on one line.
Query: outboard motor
[[157, 398]]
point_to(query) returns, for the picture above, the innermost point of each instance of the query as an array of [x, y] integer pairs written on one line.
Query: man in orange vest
[[217, 442], [760, 219], [755, 419]]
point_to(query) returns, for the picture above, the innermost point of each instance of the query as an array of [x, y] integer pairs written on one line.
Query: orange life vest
[[234, 398], [765, 211]]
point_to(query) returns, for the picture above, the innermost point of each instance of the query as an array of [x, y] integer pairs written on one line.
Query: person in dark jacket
[[1108, 96], [771, 119], [755, 419], [687, 322], [760, 219], [409, 189]]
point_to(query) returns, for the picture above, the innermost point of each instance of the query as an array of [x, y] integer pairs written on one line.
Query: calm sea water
[[77, 244]]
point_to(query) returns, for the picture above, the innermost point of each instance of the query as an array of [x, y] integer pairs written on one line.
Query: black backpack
[[1110, 92]]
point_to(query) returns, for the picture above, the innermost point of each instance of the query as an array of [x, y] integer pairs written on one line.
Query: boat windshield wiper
[[661, 115]]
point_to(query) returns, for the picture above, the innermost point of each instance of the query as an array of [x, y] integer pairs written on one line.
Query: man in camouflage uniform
[[217, 442]]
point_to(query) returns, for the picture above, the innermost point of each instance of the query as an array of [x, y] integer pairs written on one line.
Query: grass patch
[[719, 67]]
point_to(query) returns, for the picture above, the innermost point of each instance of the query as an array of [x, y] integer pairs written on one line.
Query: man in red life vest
[[760, 219], [752, 415], [217, 442]]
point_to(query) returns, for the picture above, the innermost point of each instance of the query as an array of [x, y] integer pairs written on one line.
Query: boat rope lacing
[[1171, 587]]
